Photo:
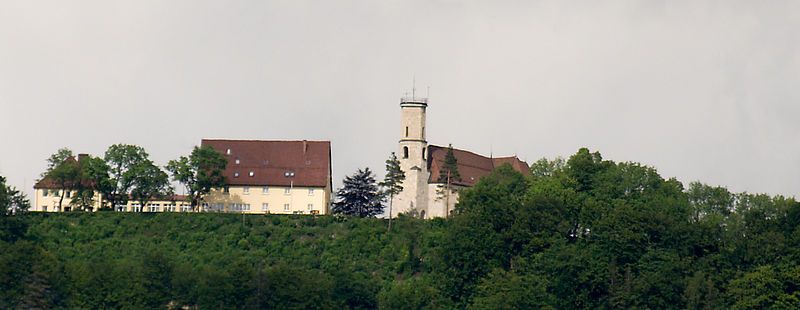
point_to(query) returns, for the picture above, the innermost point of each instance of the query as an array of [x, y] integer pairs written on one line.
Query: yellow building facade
[[262, 177], [269, 199], [46, 200]]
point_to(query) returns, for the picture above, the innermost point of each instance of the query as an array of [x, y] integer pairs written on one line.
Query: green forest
[[579, 233]]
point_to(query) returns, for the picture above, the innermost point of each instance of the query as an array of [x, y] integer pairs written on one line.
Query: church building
[[422, 193]]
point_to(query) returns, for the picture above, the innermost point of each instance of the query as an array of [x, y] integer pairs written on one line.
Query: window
[[406, 131], [120, 208], [405, 152], [58, 193], [252, 174], [423, 153], [311, 192], [226, 190], [240, 207], [237, 161], [265, 190], [44, 192], [137, 207], [310, 206], [44, 208], [287, 191], [235, 174], [265, 207], [228, 152], [185, 207], [285, 207], [69, 194], [246, 190], [236, 207]]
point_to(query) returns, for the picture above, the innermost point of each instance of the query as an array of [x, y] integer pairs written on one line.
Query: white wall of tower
[[413, 160]]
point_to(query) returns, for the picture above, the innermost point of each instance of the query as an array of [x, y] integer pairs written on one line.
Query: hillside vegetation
[[583, 233]]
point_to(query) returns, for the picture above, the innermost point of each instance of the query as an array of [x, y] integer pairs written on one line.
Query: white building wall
[[439, 205]]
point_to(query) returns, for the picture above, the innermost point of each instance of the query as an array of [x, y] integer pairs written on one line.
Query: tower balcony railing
[[414, 99]]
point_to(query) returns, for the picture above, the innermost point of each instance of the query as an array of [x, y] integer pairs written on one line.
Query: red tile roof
[[269, 161], [471, 166]]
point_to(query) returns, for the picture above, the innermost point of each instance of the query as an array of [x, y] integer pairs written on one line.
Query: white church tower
[[413, 157]]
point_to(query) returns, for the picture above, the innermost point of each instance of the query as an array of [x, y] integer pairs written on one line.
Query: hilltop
[[579, 233]]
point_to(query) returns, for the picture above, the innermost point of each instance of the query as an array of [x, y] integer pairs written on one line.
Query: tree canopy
[[359, 195], [199, 173], [392, 183], [581, 233]]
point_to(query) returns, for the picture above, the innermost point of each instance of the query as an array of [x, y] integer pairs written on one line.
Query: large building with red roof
[[285, 177], [423, 193]]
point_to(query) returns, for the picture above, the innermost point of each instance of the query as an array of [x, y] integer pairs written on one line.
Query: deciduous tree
[[148, 182], [63, 169], [12, 201], [121, 159], [199, 173], [92, 177]]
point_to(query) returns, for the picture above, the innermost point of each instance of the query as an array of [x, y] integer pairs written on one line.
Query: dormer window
[[228, 152], [237, 161], [252, 174], [235, 174]]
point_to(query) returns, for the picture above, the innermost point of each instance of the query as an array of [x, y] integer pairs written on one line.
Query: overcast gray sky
[[701, 90]]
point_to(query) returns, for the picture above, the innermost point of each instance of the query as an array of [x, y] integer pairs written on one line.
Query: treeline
[[578, 233], [111, 260], [126, 172]]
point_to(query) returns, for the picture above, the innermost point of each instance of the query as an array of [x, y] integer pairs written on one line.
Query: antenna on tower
[[413, 85]]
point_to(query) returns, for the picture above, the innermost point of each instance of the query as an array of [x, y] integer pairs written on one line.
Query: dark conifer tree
[[393, 182], [447, 175], [359, 196], [449, 172]]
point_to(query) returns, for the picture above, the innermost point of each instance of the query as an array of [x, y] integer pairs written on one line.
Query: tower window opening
[[423, 132], [423, 153], [406, 131], [405, 152]]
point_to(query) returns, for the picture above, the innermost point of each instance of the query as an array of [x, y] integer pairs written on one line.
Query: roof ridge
[[256, 140], [471, 152]]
